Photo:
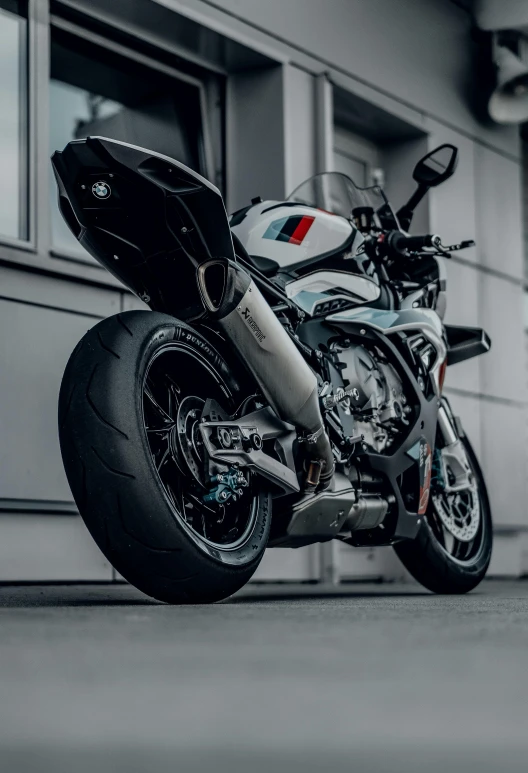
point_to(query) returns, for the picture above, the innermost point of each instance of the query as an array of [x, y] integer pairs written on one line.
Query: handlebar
[[400, 244]]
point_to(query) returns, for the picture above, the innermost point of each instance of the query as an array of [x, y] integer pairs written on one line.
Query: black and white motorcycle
[[284, 389]]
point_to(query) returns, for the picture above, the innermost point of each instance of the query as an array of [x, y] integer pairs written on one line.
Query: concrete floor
[[373, 678]]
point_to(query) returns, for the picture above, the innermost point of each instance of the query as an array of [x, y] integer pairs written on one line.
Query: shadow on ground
[[121, 594]]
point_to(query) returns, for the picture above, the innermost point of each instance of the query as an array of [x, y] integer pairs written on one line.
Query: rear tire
[[430, 562], [134, 513]]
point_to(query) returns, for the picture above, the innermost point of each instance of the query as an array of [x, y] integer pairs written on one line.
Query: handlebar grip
[[414, 243]]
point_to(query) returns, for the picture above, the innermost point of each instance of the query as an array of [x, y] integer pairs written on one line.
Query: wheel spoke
[[164, 458], [170, 494], [201, 505], [437, 525], [171, 414], [449, 542], [156, 406], [160, 430], [173, 400]]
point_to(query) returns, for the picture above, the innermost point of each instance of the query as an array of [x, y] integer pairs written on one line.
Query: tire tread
[[109, 469], [430, 565]]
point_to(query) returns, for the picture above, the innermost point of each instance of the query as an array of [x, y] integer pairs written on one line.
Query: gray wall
[[415, 66]]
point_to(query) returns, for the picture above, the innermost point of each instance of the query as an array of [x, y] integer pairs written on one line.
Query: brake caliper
[[226, 486]]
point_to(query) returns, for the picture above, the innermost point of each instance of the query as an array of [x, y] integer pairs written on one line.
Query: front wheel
[[130, 404], [452, 551]]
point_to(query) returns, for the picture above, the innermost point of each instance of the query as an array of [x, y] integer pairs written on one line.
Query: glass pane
[[353, 167], [13, 125], [93, 92], [524, 150]]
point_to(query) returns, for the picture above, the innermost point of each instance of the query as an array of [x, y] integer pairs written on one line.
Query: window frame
[[30, 242], [57, 22], [356, 148], [37, 252]]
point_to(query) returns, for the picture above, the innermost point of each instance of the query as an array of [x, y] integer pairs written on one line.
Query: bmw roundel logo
[[101, 190]]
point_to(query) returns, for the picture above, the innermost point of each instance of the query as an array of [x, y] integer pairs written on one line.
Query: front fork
[[447, 423], [451, 457]]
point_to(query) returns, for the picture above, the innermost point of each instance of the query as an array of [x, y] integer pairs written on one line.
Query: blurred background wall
[[257, 95]]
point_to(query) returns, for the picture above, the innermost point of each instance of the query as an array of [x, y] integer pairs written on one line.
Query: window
[[524, 158], [356, 157], [524, 161], [13, 120], [95, 91]]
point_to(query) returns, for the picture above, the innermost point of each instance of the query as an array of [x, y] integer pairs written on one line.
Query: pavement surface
[[367, 678]]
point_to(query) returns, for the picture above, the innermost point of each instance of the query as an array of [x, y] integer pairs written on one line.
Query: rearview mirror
[[436, 166]]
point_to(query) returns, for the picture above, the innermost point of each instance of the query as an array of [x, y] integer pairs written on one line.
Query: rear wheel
[[452, 551], [131, 401]]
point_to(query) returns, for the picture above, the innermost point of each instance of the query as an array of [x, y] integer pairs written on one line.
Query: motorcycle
[[285, 387]]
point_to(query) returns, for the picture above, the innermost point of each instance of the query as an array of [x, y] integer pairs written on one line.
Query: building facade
[[257, 95]]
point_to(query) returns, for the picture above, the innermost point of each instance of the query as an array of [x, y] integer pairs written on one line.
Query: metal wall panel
[[300, 129], [51, 548], [504, 461], [463, 308], [288, 565], [471, 410], [507, 556], [503, 370], [498, 198], [51, 291], [369, 564], [34, 348], [255, 136]]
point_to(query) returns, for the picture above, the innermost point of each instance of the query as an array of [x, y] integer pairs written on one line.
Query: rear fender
[[148, 219]]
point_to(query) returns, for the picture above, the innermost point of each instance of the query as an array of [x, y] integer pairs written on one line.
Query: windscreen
[[336, 192]]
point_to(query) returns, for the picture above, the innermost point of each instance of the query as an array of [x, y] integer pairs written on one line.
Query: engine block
[[372, 393]]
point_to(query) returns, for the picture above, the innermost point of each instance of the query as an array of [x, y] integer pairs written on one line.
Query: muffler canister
[[232, 298]]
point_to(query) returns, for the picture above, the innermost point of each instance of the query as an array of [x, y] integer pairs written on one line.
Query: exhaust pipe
[[232, 298]]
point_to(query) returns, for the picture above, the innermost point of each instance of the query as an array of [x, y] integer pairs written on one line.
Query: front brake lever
[[441, 253], [461, 246], [446, 250]]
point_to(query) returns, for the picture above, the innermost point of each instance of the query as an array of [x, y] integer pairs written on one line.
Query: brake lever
[[446, 250], [461, 246], [440, 254]]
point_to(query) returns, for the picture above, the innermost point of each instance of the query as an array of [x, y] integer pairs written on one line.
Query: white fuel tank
[[289, 233]]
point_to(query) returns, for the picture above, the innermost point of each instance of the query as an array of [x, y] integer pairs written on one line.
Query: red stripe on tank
[[302, 229]]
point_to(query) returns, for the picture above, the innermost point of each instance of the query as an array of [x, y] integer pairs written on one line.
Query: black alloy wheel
[[132, 397], [172, 410], [452, 551]]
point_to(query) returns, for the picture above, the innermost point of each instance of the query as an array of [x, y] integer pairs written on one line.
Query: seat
[[265, 266]]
